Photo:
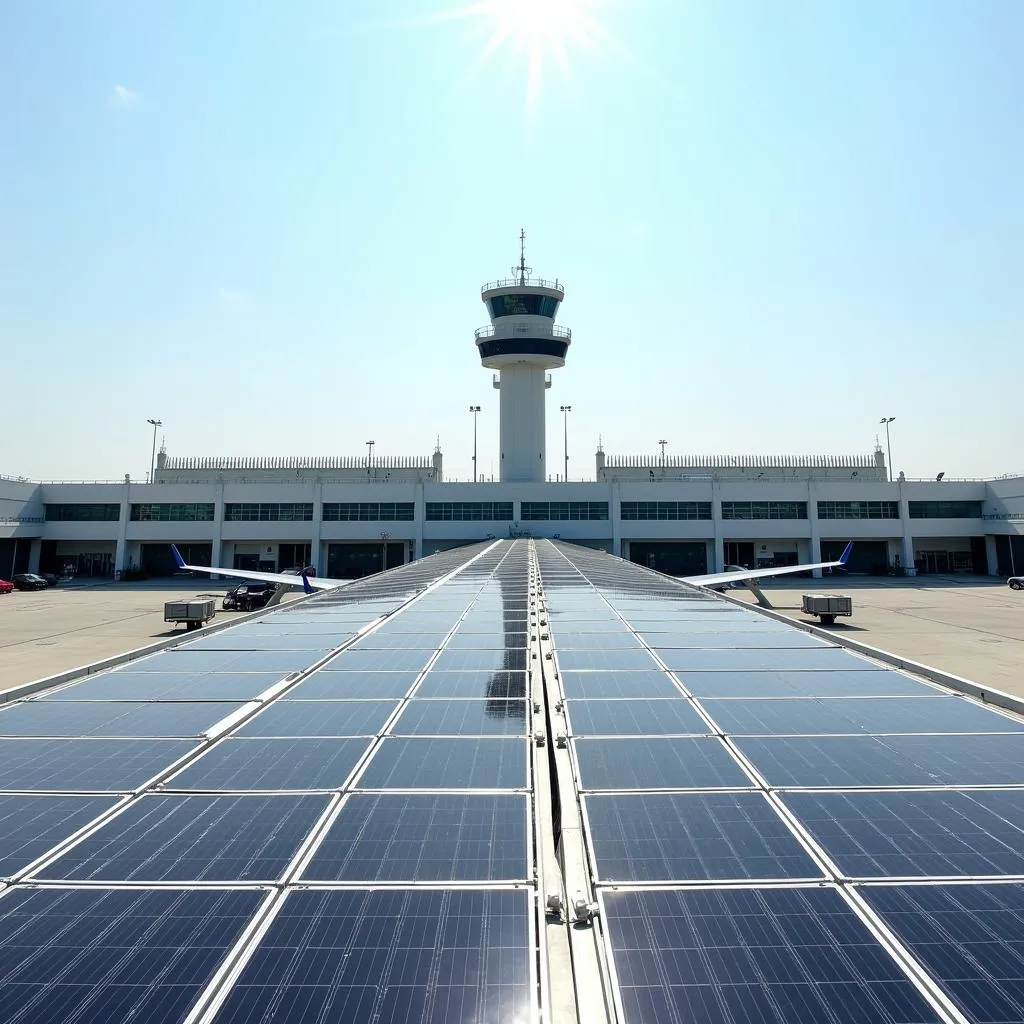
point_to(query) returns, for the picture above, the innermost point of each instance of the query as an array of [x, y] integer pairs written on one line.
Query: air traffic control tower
[[522, 344]]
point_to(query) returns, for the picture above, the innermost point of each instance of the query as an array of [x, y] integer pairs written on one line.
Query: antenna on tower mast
[[522, 271]]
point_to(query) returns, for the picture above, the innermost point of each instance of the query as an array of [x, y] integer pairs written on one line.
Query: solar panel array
[[780, 829], [337, 810]]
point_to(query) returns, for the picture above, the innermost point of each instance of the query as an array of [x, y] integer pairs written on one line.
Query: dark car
[[51, 578], [247, 597], [29, 581]]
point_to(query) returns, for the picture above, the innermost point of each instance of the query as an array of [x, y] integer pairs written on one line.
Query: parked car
[[29, 581], [6, 586], [51, 578], [1016, 582], [247, 597]]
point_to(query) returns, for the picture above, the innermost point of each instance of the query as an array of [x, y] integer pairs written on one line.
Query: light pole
[[384, 538], [369, 457], [474, 409], [663, 442], [566, 409], [887, 420], [152, 457]]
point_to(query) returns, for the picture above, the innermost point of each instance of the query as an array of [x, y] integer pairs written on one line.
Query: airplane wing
[[316, 583], [756, 574]]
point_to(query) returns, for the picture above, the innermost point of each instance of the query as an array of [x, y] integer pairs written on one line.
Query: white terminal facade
[[348, 516]]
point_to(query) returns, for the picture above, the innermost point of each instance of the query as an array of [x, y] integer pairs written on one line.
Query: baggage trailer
[[194, 613], [827, 606]]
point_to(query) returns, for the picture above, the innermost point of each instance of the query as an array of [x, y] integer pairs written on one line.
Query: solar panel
[[125, 684], [390, 955], [320, 718], [673, 715], [970, 937], [906, 833], [608, 685], [497, 717], [757, 955], [32, 825], [85, 765], [273, 764], [504, 685], [326, 684], [657, 763], [113, 955], [93, 718], [193, 839], [423, 763], [425, 838], [839, 683], [816, 659], [659, 837]]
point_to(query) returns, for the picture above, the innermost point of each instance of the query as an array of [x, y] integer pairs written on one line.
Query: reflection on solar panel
[[768, 823]]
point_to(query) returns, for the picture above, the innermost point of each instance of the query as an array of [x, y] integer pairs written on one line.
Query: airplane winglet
[[846, 553], [305, 585], [177, 556]]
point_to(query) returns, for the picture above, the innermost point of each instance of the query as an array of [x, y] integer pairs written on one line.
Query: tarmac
[[969, 626]]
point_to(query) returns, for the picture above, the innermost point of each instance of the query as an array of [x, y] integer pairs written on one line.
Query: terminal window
[[858, 510], [268, 511], [92, 512], [176, 512], [368, 511], [764, 509], [472, 511], [535, 510], [945, 509], [666, 510]]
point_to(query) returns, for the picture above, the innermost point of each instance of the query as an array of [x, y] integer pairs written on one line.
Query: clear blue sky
[[267, 224]]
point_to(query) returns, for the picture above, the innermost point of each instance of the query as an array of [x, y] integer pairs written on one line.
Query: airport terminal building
[[351, 516]]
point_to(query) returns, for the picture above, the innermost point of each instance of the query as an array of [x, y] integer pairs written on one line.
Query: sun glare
[[539, 29]]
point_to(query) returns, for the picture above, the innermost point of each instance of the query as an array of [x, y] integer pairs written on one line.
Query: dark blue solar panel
[[379, 640], [320, 718], [511, 660], [100, 955], [353, 956], [806, 684], [969, 937], [598, 685], [328, 685], [31, 825], [194, 839], [505, 685], [993, 759], [84, 765], [699, 763], [633, 717], [730, 639], [637, 660], [447, 764], [247, 764], [425, 838], [933, 832], [851, 715], [463, 641], [813, 659], [127, 685], [753, 956], [649, 837], [281, 662], [607, 640], [380, 661], [462, 718], [62, 718]]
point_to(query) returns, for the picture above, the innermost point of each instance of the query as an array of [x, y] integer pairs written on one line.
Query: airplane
[[309, 584]]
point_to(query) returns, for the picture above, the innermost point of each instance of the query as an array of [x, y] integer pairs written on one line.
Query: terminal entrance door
[[739, 552]]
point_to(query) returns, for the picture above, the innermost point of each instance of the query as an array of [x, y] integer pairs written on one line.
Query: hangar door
[[868, 556], [674, 558]]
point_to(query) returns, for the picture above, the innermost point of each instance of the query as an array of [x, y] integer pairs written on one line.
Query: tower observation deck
[[522, 343]]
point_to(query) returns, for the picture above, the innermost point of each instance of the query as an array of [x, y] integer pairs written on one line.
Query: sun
[[539, 29]]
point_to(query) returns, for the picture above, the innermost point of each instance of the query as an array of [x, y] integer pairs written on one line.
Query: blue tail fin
[[305, 585], [846, 553], [177, 556]]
